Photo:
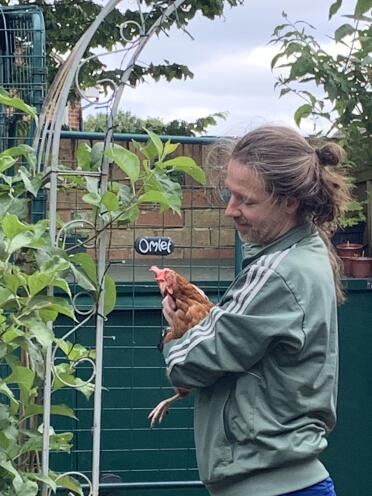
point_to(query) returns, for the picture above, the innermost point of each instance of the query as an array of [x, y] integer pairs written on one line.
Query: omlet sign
[[156, 245]]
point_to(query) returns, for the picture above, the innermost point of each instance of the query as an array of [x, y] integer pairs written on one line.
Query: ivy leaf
[[302, 112], [126, 160]]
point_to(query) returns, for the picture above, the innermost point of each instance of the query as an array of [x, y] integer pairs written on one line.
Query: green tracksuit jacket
[[263, 366]]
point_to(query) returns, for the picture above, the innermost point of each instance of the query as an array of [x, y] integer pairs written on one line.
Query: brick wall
[[202, 232]]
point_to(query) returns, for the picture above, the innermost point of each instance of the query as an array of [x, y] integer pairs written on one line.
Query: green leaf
[[156, 140], [92, 184], [6, 162], [170, 148], [96, 156], [70, 483], [188, 165], [27, 151], [7, 392], [24, 377], [334, 8], [362, 6], [12, 226], [20, 241], [87, 263], [149, 150], [343, 31], [110, 295], [43, 478], [301, 66], [83, 156], [110, 201], [13, 472], [39, 281], [301, 112], [153, 197], [61, 283], [126, 160], [5, 294], [40, 331], [92, 198], [15, 102], [52, 304], [82, 280], [32, 185], [33, 409]]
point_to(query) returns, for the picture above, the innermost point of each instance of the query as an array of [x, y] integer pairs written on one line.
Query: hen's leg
[[162, 408]]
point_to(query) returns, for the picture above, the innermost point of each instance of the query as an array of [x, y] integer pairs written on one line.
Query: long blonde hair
[[291, 167]]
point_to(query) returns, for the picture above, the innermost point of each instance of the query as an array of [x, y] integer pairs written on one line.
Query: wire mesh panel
[[134, 374], [22, 68]]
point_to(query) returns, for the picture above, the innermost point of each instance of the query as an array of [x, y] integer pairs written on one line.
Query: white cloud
[[231, 62]]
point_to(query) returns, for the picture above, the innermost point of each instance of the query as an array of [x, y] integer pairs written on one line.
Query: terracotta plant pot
[[361, 266], [346, 262], [349, 250]]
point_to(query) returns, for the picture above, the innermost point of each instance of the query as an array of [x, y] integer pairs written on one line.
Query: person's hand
[[169, 309]]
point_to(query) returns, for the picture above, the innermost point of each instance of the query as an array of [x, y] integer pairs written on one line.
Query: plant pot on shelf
[[361, 266], [346, 263], [349, 249]]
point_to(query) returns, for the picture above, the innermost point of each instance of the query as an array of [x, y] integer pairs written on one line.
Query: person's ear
[[291, 205]]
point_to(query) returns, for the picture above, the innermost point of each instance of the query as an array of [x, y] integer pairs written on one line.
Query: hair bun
[[330, 154]]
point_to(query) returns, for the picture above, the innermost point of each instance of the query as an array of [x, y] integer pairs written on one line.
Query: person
[[263, 364]]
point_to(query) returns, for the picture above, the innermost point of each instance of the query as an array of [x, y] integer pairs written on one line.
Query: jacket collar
[[253, 251]]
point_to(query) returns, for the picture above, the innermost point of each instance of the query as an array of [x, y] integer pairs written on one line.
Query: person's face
[[257, 218]]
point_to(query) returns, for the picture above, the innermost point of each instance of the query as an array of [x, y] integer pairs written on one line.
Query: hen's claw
[[161, 409]]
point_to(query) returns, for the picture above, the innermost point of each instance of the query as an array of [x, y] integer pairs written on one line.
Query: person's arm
[[238, 333]]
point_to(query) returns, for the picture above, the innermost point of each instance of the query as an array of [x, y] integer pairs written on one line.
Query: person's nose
[[232, 209]]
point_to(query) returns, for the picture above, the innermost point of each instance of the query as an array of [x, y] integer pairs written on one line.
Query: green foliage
[[345, 80], [30, 264], [125, 122], [66, 21]]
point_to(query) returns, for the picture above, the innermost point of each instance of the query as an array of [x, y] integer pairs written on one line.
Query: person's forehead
[[242, 179]]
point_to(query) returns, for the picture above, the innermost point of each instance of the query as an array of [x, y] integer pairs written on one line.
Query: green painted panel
[[135, 378]]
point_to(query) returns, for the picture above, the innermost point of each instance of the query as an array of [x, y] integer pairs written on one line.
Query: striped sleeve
[[237, 334]]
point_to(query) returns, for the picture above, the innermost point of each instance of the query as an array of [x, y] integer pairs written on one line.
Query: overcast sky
[[230, 60]]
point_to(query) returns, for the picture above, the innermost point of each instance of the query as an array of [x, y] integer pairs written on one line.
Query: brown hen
[[192, 306]]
